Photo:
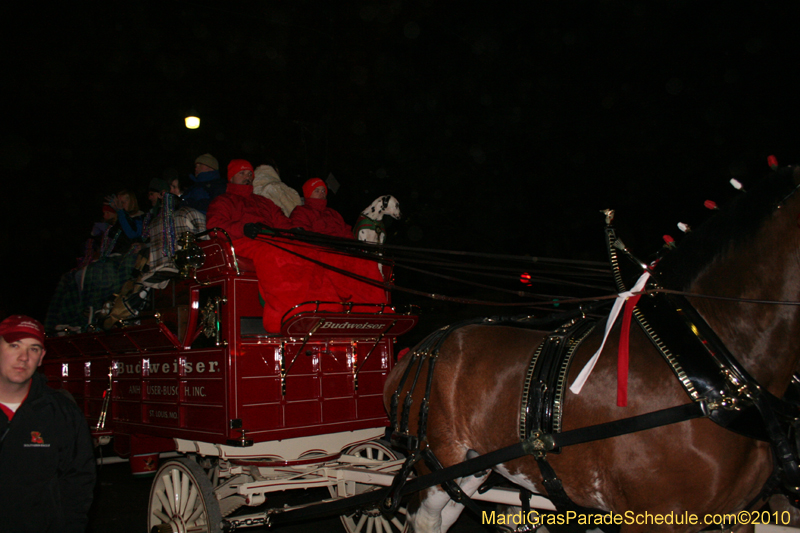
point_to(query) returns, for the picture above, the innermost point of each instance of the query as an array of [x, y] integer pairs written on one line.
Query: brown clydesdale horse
[[750, 250]]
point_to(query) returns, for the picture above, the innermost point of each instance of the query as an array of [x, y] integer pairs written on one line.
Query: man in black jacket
[[47, 470]]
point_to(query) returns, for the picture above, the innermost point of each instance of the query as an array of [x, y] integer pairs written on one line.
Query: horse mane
[[732, 225]]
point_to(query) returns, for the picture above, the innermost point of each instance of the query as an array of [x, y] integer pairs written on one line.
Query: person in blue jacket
[[208, 184], [47, 464], [129, 217]]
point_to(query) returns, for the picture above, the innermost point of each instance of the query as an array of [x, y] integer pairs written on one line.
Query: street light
[[192, 120]]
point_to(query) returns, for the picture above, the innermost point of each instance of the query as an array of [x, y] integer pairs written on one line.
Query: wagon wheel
[[369, 520], [182, 500]]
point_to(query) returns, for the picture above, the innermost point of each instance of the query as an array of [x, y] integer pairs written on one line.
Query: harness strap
[[538, 444], [544, 443], [663, 417], [427, 350], [554, 487], [391, 502], [451, 487], [534, 445], [388, 496], [530, 446], [545, 380], [783, 451]]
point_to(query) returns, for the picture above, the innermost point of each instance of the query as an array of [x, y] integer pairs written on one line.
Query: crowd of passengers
[[131, 251]]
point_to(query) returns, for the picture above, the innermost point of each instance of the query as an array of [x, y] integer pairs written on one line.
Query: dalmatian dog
[[369, 226]]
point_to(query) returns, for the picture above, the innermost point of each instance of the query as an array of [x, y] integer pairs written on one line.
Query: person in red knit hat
[[282, 277], [315, 215], [239, 206], [240, 172], [289, 273]]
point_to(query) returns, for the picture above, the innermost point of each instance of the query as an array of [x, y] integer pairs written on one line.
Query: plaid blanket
[[105, 277], [65, 306], [100, 280], [165, 231]]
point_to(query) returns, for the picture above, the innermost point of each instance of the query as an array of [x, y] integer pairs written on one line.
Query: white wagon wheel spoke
[[192, 499], [361, 521], [168, 493], [161, 516], [397, 523], [176, 491], [195, 515], [369, 520], [184, 494], [183, 498], [166, 503]]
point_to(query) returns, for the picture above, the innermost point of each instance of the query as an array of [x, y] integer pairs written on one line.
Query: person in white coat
[[267, 183]]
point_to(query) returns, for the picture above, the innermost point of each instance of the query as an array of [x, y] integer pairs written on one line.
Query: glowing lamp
[[192, 122]]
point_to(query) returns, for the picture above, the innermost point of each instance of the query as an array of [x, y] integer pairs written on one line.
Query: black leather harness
[[718, 386], [545, 380]]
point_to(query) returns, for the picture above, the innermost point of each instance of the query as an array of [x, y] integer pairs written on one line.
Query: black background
[[502, 127]]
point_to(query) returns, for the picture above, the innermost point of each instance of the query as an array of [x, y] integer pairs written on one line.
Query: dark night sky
[[501, 126]]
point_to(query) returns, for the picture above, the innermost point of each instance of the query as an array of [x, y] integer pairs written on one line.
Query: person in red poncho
[[239, 206], [281, 275], [286, 276], [315, 215]]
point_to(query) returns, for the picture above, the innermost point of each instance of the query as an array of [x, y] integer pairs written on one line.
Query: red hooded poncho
[[285, 277], [316, 216], [239, 206]]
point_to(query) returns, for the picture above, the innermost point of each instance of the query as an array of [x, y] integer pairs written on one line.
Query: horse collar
[[708, 371], [694, 353]]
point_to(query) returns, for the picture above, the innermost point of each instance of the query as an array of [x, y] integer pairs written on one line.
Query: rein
[[367, 250], [719, 387], [581, 269]]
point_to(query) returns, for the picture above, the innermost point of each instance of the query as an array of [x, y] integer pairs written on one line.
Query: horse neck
[[762, 337]]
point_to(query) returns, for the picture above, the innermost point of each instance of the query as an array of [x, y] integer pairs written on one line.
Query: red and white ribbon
[[580, 381]]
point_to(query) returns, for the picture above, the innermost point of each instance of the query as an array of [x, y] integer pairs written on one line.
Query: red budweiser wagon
[[250, 412]]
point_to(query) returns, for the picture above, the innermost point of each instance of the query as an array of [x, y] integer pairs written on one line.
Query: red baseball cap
[[17, 327]]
